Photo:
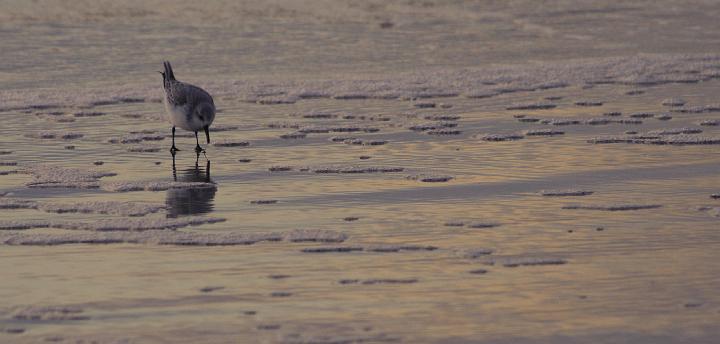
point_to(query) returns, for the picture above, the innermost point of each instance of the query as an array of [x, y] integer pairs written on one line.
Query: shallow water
[[474, 253]]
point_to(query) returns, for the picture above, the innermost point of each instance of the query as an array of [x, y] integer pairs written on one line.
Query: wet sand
[[556, 202]]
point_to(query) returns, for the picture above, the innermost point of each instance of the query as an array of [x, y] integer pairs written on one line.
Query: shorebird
[[187, 106]]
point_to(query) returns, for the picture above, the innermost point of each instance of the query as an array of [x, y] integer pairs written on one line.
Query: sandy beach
[[379, 172]]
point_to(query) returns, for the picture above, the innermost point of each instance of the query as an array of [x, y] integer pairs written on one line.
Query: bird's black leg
[[174, 170], [173, 149], [207, 172], [198, 149]]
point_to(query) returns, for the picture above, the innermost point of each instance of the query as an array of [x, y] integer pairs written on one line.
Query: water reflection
[[192, 201]]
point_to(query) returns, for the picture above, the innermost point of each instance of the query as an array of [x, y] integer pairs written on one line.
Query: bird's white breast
[[178, 116]]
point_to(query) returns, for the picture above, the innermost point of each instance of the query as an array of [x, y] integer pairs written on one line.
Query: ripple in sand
[[563, 193], [471, 224], [483, 225], [144, 149], [156, 237], [673, 102], [230, 143], [377, 248], [278, 277], [373, 142], [14, 330], [560, 122], [89, 114], [280, 168], [268, 327], [501, 137], [697, 109], [693, 304], [480, 94], [293, 136], [314, 235], [543, 132], [275, 100], [532, 106], [433, 126], [224, 127], [424, 105], [5, 152], [91, 207], [137, 138], [642, 115], [674, 131], [338, 249], [154, 186], [612, 114], [444, 132], [613, 207], [478, 271], [49, 313], [710, 123], [442, 117], [397, 248], [430, 178], [325, 334], [634, 92], [318, 115], [264, 201], [679, 140], [379, 281], [516, 261], [46, 176], [65, 135], [528, 120], [210, 289], [342, 138], [122, 224], [283, 125], [59, 119], [713, 211], [357, 169], [475, 253], [11, 203], [588, 103], [605, 121]]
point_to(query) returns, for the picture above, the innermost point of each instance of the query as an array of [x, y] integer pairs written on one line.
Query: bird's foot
[[199, 149]]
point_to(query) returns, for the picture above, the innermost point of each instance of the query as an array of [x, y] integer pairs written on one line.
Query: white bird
[[188, 107]]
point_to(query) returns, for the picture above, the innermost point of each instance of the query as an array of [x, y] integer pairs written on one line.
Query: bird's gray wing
[[177, 94], [197, 95]]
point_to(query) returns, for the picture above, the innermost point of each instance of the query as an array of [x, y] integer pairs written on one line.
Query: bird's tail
[[169, 75]]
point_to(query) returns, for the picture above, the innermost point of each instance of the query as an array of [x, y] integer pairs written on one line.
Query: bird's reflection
[[190, 201]]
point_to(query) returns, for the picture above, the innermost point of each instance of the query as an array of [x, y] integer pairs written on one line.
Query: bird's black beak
[[207, 133]]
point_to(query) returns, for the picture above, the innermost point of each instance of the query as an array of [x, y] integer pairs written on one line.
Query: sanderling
[[188, 107]]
